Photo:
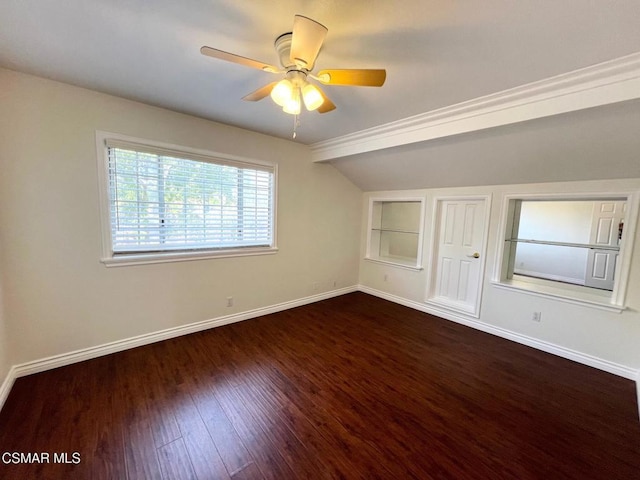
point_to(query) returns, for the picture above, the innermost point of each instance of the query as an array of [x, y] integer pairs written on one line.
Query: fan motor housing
[[283, 48]]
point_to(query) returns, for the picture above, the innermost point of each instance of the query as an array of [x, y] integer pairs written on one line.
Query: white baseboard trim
[[586, 359], [55, 361], [5, 388]]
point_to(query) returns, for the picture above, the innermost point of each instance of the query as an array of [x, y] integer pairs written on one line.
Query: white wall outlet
[[315, 286], [229, 301], [537, 316], [385, 277], [335, 283]]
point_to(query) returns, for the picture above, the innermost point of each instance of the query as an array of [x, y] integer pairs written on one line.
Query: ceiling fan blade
[[260, 93], [230, 57], [306, 41], [358, 77], [327, 105]]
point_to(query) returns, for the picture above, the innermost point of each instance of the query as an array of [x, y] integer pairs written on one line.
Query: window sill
[[585, 299], [396, 262], [122, 260]]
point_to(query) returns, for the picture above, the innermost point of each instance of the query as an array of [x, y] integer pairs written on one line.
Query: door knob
[[474, 255]]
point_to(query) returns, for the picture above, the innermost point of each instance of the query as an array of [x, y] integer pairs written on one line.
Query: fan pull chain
[[296, 124]]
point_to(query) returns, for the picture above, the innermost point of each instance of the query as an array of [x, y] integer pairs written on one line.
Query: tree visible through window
[[161, 202]]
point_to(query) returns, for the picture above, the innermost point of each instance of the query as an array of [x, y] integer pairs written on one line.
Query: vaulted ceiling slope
[[437, 53], [593, 144]]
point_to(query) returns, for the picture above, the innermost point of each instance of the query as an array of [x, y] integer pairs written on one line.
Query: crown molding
[[614, 81]]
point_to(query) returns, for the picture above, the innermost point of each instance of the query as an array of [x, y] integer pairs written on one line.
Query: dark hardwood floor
[[353, 387]]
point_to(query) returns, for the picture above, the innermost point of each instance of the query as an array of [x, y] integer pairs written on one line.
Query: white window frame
[[112, 260], [570, 294]]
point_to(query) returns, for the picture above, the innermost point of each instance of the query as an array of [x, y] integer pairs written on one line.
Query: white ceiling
[[436, 52]]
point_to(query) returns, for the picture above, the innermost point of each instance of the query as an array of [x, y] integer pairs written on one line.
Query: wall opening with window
[[570, 247]]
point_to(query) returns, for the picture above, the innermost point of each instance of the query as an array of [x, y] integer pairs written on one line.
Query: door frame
[[433, 252]]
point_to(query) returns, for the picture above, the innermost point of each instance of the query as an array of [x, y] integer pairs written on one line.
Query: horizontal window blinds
[[161, 201]]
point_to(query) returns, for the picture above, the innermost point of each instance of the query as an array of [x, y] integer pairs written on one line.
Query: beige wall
[[59, 297], [601, 335]]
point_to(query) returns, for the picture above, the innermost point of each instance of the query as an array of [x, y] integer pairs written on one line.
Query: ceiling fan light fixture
[[312, 97], [297, 52], [282, 93]]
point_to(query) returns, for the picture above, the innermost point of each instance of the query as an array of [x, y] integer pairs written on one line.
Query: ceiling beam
[[606, 83]]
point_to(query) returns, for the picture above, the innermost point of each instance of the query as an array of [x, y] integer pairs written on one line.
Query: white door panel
[[445, 276], [461, 228], [603, 231], [606, 230], [463, 281]]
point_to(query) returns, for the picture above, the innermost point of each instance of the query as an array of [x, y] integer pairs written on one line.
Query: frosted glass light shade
[[282, 92], [312, 97], [292, 105]]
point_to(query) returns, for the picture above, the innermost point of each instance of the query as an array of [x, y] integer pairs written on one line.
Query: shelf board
[[402, 262], [394, 230], [591, 246]]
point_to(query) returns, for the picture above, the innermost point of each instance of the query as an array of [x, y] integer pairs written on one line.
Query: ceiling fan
[[297, 52]]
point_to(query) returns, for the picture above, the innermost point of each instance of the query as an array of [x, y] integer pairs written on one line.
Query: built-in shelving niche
[[395, 231]]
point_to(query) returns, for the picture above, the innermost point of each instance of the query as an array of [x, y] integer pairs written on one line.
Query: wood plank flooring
[[352, 387]]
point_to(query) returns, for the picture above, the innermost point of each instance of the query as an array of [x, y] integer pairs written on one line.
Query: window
[[171, 204], [395, 232], [568, 247]]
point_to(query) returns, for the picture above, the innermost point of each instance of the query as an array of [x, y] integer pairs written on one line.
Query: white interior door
[[606, 230], [457, 262]]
